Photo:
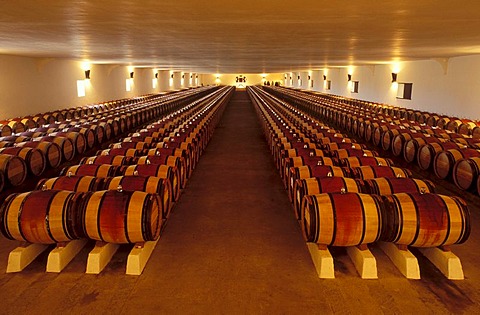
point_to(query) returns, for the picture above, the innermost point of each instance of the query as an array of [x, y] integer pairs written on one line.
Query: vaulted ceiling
[[249, 36]]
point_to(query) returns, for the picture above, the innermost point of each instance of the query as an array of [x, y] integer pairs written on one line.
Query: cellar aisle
[[232, 246]]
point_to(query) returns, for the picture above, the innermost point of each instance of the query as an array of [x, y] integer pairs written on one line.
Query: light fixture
[[156, 75], [298, 77], [191, 76], [349, 77], [324, 77], [309, 78], [394, 77], [171, 76], [131, 75], [87, 74], [183, 76]]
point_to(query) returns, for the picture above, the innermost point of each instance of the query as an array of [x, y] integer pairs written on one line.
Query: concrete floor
[[232, 246]]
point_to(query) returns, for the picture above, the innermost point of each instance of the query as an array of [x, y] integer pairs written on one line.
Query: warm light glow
[[396, 67], [128, 85], [81, 88], [154, 83], [351, 69], [85, 65], [394, 87], [182, 79], [170, 81]]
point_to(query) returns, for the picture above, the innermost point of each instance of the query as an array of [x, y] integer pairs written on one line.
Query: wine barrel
[[466, 127], [308, 171], [29, 123], [139, 145], [411, 147], [425, 220], [354, 161], [338, 219], [390, 186], [174, 161], [45, 217], [398, 143], [148, 184], [333, 146], [368, 172], [34, 158], [427, 152], [87, 133], [387, 138], [304, 160], [345, 153], [120, 151], [66, 145], [16, 125], [116, 160], [121, 216], [445, 160], [51, 151], [5, 129], [77, 138], [162, 171], [97, 170], [476, 132], [316, 185], [72, 183], [14, 168], [465, 172]]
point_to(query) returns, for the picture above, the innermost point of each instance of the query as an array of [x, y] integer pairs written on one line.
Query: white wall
[[33, 85], [449, 87], [252, 79]]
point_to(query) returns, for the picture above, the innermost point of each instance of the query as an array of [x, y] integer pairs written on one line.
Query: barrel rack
[[63, 253], [365, 263]]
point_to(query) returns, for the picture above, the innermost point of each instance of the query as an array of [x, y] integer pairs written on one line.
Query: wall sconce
[[131, 75], [349, 77], [196, 77], [309, 78], [183, 76], [191, 76], [171, 76], [156, 75], [394, 77], [324, 77], [87, 74], [298, 77]]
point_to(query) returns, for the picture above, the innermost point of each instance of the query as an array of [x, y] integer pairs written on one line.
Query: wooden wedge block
[[364, 261], [446, 261], [323, 261], [100, 256], [139, 256], [403, 259], [22, 256], [61, 256]]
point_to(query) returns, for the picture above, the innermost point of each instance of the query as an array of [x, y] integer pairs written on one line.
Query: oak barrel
[[148, 184], [14, 168], [34, 158], [316, 185], [162, 171], [121, 216], [354, 161], [116, 160], [51, 151], [390, 186], [338, 219], [72, 183], [445, 160], [465, 172], [97, 170], [367, 172], [45, 217], [425, 220]]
